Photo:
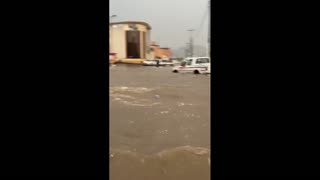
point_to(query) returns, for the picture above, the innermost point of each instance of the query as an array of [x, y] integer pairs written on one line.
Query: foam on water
[[130, 89], [131, 96]]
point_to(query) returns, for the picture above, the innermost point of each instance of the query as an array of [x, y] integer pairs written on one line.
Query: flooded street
[[159, 124]]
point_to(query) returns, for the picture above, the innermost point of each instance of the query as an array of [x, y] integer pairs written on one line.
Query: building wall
[[160, 52], [149, 54], [118, 39]]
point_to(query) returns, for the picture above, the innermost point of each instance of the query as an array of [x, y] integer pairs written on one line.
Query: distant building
[[160, 52], [130, 41]]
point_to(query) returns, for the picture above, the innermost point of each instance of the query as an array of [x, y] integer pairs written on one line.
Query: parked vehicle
[[164, 62], [159, 62], [196, 65], [150, 62]]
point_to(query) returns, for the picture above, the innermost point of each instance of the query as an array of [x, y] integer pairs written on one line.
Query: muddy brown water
[[159, 124]]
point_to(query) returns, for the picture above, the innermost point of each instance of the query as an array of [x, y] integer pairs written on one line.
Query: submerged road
[[159, 124]]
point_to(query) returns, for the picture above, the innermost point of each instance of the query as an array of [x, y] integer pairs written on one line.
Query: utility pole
[[191, 42], [209, 28], [187, 50]]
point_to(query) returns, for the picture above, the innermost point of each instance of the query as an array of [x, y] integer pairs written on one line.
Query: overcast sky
[[169, 19]]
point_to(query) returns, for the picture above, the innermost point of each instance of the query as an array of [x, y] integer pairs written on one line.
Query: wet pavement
[[159, 124]]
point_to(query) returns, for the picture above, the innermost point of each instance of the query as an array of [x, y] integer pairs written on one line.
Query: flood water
[[159, 124]]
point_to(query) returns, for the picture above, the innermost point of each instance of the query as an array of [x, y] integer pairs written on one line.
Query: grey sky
[[169, 19]]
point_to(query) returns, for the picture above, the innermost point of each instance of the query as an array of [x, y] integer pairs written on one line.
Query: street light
[[113, 16]]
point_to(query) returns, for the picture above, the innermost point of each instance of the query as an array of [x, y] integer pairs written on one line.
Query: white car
[[164, 62], [196, 65], [155, 63], [149, 62]]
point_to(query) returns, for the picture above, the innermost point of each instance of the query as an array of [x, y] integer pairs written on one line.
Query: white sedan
[[155, 63]]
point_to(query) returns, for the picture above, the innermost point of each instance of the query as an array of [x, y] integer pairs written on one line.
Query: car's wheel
[[175, 71], [196, 72]]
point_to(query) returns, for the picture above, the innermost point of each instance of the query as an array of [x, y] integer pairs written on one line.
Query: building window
[[133, 44]]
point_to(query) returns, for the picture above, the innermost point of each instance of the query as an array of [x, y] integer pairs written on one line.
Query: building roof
[[132, 22]]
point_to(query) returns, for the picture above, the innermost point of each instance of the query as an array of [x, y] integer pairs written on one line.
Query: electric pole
[[191, 42], [187, 50]]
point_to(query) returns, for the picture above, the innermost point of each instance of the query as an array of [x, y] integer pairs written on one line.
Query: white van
[[196, 65]]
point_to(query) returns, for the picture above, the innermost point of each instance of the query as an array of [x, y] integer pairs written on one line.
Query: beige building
[[130, 41]]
